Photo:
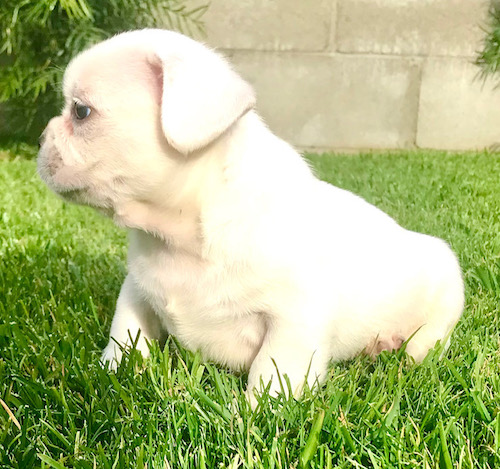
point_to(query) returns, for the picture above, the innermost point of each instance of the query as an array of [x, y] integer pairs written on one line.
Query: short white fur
[[236, 248]]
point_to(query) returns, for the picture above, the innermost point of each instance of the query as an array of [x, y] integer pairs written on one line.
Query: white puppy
[[236, 248]]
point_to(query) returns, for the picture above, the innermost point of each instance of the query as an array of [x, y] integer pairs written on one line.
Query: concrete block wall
[[359, 74]]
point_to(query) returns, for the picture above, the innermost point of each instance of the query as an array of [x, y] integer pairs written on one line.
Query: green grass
[[60, 271]]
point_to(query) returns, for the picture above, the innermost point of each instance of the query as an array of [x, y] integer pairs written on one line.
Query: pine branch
[[489, 58]]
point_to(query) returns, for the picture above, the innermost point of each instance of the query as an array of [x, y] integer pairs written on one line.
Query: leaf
[[77, 9]]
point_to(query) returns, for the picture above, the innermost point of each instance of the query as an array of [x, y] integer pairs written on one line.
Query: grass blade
[[445, 459], [313, 439], [51, 462]]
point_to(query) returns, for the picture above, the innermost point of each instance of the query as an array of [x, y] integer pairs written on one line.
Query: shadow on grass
[[55, 288]]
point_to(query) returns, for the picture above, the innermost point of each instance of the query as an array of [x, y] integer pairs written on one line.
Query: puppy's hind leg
[[133, 318], [442, 313], [289, 350]]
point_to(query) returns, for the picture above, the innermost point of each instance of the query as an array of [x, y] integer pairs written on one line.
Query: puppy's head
[[135, 106]]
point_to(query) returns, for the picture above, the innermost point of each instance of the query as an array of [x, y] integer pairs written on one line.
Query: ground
[[60, 271]]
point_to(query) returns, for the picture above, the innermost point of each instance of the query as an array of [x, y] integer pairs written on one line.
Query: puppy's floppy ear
[[201, 98]]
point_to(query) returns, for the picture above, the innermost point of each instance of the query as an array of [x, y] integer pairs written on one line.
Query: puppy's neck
[[210, 186], [177, 227], [173, 210]]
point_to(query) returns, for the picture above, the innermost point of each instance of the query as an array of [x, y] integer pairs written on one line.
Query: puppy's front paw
[[111, 356]]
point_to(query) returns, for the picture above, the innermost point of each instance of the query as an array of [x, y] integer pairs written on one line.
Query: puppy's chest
[[189, 294]]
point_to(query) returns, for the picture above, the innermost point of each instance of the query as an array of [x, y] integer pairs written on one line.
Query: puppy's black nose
[[41, 139]]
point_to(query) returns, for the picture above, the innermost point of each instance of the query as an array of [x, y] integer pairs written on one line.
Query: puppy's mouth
[[65, 182], [68, 191], [72, 195], [72, 183], [85, 196]]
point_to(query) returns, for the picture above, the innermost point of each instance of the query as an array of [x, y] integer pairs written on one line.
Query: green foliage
[[39, 37], [489, 57], [60, 272]]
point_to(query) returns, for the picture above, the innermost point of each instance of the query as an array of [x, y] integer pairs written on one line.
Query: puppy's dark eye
[[81, 111]]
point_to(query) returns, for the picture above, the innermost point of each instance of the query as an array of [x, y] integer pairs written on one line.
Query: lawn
[[60, 271]]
